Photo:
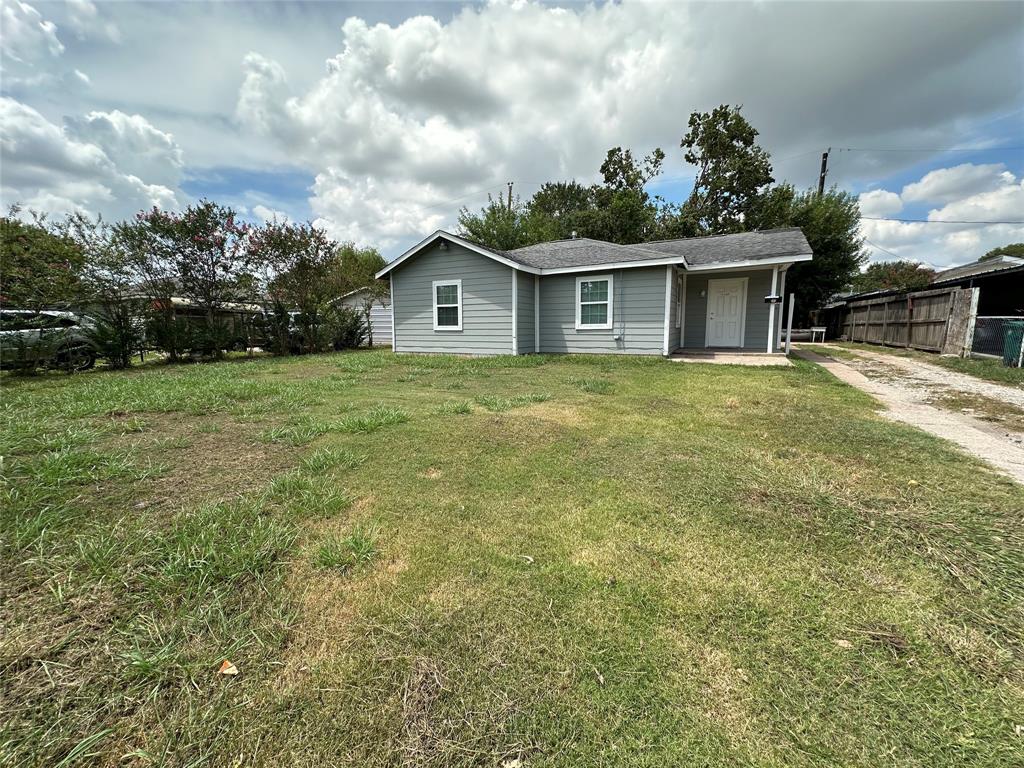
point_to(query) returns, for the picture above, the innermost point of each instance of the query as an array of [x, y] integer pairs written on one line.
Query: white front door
[[726, 304]]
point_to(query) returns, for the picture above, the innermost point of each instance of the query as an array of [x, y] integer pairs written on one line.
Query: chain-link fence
[[1000, 337]]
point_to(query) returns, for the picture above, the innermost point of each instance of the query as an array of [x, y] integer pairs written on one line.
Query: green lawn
[[981, 367], [561, 561]]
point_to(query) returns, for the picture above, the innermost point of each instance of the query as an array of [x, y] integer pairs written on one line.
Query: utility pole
[[824, 172], [510, 195]]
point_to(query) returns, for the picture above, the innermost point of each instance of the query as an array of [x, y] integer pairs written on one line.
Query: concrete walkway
[[729, 358], [1002, 450]]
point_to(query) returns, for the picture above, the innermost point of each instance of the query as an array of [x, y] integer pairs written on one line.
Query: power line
[[883, 250], [937, 221], [930, 149]]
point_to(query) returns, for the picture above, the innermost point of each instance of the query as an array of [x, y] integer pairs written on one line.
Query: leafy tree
[[1013, 249], [503, 228], [359, 267], [732, 170], [108, 289], [621, 172], [200, 254], [40, 266], [831, 224], [304, 267], [893, 276], [560, 208]]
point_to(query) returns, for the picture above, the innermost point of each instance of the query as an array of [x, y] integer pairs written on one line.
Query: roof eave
[[773, 261], [440, 234]]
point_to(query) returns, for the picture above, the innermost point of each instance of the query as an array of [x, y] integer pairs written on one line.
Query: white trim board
[[744, 282], [668, 309], [515, 312], [433, 289], [607, 326], [536, 314], [753, 264], [771, 310], [442, 235], [654, 262], [394, 332]]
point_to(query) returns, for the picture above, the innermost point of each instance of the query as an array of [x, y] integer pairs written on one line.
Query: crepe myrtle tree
[[303, 274], [201, 254], [40, 266]]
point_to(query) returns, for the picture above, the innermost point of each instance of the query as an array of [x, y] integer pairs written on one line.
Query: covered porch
[[723, 314]]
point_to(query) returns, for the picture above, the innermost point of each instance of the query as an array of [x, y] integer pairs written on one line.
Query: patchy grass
[[344, 555], [497, 404], [594, 386], [706, 565], [981, 367], [985, 408]]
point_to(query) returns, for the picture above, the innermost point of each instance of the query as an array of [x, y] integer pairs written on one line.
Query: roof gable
[[772, 246], [500, 256]]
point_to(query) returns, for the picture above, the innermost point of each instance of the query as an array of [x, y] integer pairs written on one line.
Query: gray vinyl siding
[[755, 334], [486, 303], [380, 317], [638, 312], [525, 313]]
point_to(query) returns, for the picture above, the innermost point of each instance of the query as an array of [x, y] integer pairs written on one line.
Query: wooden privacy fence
[[939, 320]]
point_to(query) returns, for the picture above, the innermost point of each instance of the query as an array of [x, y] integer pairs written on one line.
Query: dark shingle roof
[[743, 246], [580, 252], [696, 251]]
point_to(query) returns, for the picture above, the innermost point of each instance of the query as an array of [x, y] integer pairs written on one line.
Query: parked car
[[47, 338]]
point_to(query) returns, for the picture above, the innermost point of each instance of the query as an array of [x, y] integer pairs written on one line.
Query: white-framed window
[[594, 302], [447, 305]]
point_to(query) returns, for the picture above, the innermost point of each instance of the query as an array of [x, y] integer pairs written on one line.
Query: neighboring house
[[1000, 280], [380, 315], [581, 295]]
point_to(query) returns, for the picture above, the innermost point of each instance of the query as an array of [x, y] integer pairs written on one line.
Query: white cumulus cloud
[[57, 170], [948, 184], [989, 193]]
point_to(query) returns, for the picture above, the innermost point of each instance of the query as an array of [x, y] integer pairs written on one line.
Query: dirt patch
[[423, 685], [207, 459]]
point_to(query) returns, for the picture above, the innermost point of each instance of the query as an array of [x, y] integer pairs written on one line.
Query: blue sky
[[380, 120]]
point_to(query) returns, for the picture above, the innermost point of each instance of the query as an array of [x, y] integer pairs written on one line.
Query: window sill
[[593, 327]]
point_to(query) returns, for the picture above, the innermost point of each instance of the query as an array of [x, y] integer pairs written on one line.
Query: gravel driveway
[[908, 388]]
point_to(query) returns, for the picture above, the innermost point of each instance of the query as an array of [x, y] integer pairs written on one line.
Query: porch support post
[[515, 311], [391, 290], [778, 323], [771, 309], [668, 308]]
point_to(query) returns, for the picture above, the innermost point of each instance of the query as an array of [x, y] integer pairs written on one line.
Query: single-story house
[[583, 295], [379, 331]]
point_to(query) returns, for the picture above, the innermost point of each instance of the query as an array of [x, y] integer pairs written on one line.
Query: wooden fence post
[[910, 312], [969, 335]]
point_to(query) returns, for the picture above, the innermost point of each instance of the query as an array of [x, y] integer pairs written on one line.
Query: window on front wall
[[594, 302], [447, 305]]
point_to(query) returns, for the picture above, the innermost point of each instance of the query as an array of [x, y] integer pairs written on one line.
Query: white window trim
[[433, 289], [580, 326]]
